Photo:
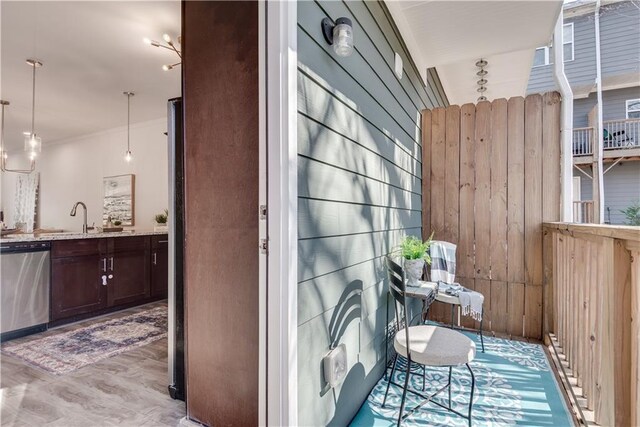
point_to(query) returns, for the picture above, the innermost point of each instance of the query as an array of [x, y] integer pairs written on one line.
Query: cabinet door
[[129, 263], [159, 266], [76, 285]]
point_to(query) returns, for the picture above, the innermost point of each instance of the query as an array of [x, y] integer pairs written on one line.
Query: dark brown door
[[159, 266], [76, 278], [128, 262], [221, 99]]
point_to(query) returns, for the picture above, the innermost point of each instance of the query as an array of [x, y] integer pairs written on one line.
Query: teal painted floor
[[514, 386]]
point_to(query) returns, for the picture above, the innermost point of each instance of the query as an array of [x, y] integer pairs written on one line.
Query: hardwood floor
[[129, 389]]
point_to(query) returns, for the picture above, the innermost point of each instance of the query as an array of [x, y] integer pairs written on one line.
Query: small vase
[[413, 269]]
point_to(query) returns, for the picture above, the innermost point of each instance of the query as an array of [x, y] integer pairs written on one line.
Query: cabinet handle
[[104, 265], [111, 261], [154, 258], [163, 241]]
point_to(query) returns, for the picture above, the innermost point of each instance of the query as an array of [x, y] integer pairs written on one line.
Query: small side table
[[454, 301]]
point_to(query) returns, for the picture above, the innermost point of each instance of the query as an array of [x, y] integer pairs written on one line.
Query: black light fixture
[[339, 35]]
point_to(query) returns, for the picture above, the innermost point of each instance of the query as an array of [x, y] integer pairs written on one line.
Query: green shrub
[[632, 214]]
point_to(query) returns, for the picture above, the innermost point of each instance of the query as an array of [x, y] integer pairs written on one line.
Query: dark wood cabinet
[[129, 266], [97, 275], [159, 266], [76, 278]]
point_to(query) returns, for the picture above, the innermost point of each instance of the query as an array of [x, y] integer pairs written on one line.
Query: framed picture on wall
[[119, 199]]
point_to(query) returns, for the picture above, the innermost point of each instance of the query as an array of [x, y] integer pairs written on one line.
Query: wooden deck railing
[[592, 314], [583, 211]]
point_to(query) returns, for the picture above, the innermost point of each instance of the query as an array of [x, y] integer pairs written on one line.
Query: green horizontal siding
[[359, 183]]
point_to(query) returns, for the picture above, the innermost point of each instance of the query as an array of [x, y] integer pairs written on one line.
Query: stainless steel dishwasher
[[25, 273]]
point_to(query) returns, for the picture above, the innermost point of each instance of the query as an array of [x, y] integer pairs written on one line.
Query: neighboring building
[[620, 59]]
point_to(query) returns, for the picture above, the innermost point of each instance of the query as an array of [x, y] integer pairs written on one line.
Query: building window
[[633, 108], [544, 54]]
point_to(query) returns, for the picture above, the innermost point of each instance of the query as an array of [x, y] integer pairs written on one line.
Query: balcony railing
[[616, 135], [591, 311], [583, 211], [621, 134], [583, 141]]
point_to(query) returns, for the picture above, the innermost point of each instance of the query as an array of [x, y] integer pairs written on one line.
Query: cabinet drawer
[[132, 243], [160, 241], [79, 247]]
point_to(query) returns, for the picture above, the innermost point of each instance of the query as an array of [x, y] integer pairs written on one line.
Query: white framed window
[[544, 54], [632, 108]]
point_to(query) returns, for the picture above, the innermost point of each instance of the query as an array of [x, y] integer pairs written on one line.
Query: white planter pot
[[413, 269], [161, 227]]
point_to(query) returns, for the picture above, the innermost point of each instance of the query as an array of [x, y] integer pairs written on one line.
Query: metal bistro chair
[[425, 345]]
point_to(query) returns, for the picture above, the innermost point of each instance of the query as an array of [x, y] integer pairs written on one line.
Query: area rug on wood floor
[[68, 351], [514, 386]]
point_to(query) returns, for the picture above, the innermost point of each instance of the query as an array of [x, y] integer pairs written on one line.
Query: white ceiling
[[452, 35], [92, 52]]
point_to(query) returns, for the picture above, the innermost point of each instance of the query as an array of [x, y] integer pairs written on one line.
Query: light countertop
[[75, 235]]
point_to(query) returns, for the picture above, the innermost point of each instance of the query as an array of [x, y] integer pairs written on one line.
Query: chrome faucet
[[73, 213]]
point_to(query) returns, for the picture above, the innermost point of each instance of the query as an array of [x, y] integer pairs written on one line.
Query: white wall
[[72, 170]]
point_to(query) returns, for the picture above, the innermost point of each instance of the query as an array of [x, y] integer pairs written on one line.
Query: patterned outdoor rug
[[68, 351], [514, 386]]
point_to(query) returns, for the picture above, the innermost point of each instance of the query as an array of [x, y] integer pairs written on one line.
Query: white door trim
[[282, 218], [262, 223]]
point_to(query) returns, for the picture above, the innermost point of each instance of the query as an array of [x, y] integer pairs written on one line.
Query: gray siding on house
[[613, 105], [359, 192], [621, 189], [619, 48]]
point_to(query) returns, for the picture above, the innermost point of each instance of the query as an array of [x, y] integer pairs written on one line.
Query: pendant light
[[127, 155], [32, 142], [170, 45], [3, 151]]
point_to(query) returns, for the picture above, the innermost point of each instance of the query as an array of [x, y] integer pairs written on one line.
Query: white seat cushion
[[435, 346]]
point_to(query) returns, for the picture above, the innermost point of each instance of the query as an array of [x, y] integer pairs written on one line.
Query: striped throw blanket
[[443, 262], [443, 272]]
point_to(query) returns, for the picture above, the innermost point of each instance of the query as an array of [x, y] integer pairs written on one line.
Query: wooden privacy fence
[[592, 314], [491, 176]]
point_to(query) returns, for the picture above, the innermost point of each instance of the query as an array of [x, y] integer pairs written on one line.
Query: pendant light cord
[[33, 101], [128, 121], [2, 133]]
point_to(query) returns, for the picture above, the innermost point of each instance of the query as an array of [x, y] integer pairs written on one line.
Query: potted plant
[[161, 221], [415, 253]]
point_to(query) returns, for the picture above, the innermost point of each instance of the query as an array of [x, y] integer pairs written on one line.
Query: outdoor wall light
[[340, 35]]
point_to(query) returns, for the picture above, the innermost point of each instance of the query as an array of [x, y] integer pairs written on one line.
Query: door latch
[[262, 211], [264, 246]]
